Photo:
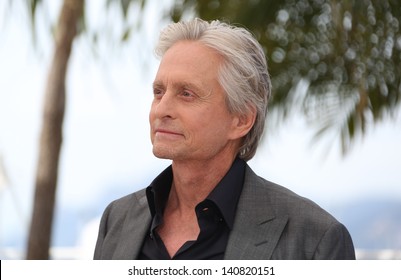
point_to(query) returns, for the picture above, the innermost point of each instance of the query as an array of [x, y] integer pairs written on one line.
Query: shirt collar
[[225, 195], [158, 191], [227, 192]]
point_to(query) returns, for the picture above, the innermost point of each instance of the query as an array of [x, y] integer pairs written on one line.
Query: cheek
[[152, 113], [151, 119], [210, 127]]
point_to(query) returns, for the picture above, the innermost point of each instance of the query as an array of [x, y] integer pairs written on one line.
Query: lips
[[166, 132]]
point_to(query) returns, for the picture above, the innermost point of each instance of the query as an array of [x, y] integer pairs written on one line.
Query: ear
[[243, 123]]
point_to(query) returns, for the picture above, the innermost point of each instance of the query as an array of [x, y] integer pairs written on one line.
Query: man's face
[[189, 118]]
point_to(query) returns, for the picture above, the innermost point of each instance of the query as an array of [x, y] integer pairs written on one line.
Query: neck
[[194, 180]]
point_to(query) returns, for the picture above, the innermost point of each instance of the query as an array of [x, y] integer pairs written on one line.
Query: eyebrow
[[195, 87]]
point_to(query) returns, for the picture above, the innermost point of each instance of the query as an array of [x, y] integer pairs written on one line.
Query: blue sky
[[106, 132]]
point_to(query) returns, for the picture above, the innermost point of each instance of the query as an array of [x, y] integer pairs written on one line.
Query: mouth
[[165, 132]]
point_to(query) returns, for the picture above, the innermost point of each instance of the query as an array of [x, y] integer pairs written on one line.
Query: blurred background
[[75, 90]]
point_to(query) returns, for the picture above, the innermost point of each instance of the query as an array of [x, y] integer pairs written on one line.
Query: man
[[210, 98]]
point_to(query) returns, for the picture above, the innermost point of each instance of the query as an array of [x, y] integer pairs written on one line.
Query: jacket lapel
[[257, 229], [135, 228]]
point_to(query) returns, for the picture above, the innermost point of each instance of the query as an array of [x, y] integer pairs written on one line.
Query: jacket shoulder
[[310, 232], [117, 216], [125, 202], [286, 202]]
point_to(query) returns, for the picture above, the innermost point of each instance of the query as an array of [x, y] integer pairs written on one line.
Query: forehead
[[190, 58]]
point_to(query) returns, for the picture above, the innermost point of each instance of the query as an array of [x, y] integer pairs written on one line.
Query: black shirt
[[215, 217]]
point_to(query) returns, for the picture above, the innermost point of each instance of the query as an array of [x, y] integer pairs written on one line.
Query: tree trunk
[[51, 134]]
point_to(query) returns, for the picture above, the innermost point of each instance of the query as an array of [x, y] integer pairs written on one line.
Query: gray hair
[[243, 74]]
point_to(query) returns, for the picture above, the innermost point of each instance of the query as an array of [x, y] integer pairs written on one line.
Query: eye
[[157, 92], [186, 93]]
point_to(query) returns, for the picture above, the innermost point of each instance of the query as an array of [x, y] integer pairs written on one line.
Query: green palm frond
[[349, 52]]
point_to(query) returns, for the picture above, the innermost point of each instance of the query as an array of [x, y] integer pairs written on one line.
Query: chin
[[162, 153], [162, 156]]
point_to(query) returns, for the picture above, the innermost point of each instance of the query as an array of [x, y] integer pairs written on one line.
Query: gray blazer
[[271, 222]]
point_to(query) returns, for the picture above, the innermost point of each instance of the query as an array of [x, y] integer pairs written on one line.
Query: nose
[[163, 106]]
